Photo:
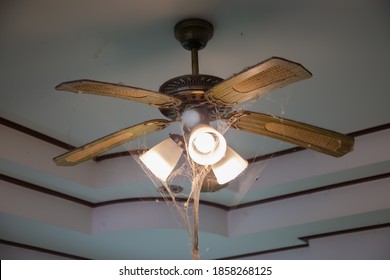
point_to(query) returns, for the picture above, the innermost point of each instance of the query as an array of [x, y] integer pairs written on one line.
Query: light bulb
[[204, 143]]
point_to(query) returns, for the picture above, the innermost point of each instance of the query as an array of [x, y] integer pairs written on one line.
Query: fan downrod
[[193, 34]]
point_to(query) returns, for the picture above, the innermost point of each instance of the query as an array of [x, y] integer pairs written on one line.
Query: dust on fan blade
[[301, 134], [152, 98], [257, 80], [94, 148]]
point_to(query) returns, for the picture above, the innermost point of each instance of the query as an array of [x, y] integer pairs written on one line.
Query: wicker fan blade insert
[[257, 80]]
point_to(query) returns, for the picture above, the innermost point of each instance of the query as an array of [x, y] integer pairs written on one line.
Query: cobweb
[[187, 205]]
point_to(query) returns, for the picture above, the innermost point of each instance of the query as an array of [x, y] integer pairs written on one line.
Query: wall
[[368, 244]]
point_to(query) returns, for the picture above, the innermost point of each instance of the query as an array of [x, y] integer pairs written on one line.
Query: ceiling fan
[[211, 97]]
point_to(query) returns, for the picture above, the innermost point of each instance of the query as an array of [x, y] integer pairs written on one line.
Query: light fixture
[[229, 167], [206, 145], [162, 158]]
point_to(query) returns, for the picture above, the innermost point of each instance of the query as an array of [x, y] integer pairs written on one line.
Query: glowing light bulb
[[204, 143]]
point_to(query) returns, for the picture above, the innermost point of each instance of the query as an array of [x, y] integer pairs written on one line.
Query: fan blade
[[108, 142], [152, 98], [257, 80], [301, 134]]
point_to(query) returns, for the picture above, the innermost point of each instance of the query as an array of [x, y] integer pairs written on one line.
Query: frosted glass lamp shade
[[229, 167], [206, 145], [162, 158]]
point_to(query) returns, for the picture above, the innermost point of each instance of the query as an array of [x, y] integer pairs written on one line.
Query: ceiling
[[110, 209]]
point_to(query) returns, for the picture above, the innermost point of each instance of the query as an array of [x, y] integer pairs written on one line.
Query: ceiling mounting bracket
[[193, 34]]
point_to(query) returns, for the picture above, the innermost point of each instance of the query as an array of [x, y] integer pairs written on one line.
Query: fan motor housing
[[191, 90]]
